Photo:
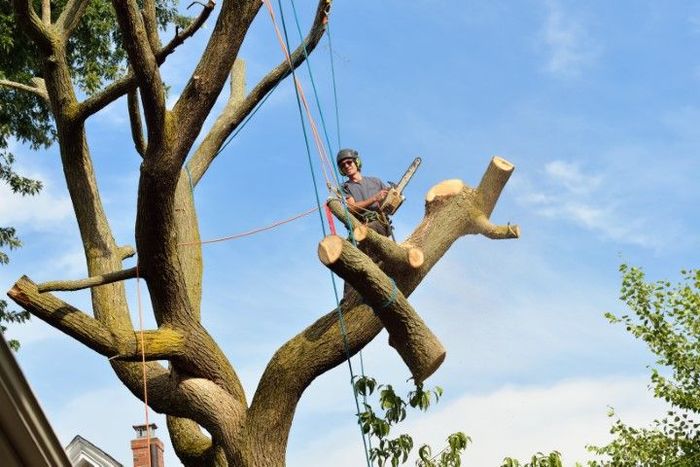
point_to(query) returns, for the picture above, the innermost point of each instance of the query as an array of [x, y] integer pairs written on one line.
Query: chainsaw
[[394, 197]]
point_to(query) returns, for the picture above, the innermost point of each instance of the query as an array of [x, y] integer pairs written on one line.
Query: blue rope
[[311, 76], [335, 288], [394, 293], [303, 124], [336, 175]]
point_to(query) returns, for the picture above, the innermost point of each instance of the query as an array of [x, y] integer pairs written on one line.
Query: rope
[[143, 364], [252, 231], [335, 92], [394, 293], [301, 98]]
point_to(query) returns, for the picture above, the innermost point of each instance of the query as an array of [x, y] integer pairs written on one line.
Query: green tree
[[667, 318], [63, 61], [397, 450]]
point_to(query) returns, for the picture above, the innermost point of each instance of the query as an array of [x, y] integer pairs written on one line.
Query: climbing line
[[319, 145], [311, 76], [143, 363]]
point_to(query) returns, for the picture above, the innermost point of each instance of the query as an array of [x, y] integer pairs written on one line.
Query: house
[[27, 439]]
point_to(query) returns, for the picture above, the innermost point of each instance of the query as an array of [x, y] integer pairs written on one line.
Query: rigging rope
[[143, 363], [319, 145]]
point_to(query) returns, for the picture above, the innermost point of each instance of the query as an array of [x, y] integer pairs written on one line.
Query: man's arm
[[356, 206]]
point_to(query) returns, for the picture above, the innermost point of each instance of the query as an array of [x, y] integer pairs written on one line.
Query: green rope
[[336, 175], [303, 124], [311, 77], [335, 288]]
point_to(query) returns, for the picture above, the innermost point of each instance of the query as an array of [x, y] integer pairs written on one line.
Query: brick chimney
[[140, 448]]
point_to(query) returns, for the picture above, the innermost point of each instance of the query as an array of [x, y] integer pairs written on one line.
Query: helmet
[[347, 153]]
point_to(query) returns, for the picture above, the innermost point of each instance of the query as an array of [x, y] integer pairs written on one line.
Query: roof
[[82, 453], [26, 438]]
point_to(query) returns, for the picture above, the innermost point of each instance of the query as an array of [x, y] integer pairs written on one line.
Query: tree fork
[[408, 334]]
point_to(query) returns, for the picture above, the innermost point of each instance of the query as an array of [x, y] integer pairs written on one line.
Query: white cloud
[[514, 421], [569, 193], [569, 45], [570, 176], [41, 212]]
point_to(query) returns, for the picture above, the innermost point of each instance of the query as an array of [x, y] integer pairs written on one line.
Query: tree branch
[[233, 115], [394, 257], [145, 66], [33, 25], [495, 178], [151, 23], [62, 316], [161, 344], [135, 121], [37, 89], [46, 12], [70, 16], [120, 87], [408, 334], [89, 282]]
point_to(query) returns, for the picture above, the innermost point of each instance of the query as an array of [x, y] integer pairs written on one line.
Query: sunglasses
[[347, 162]]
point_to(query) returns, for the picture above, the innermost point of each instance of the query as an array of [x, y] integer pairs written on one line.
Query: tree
[[667, 318], [80, 45]]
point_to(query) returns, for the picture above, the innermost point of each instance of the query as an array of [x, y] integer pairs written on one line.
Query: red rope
[[253, 231], [143, 364]]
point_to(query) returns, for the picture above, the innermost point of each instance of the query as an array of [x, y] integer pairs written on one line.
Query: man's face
[[349, 167]]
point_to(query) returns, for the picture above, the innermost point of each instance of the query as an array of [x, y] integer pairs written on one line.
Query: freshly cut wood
[[419, 348]]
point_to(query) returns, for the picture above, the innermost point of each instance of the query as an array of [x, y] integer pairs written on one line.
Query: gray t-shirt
[[364, 189]]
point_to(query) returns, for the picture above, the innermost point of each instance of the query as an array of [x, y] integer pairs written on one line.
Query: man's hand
[[379, 197]]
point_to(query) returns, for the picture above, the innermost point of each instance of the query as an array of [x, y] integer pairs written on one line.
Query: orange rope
[[253, 231], [325, 163], [143, 364]]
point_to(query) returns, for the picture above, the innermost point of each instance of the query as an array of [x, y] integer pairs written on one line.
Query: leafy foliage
[[553, 459], [667, 318], [10, 240], [397, 450]]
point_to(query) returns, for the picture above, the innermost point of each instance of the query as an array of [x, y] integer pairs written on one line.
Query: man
[[364, 195]]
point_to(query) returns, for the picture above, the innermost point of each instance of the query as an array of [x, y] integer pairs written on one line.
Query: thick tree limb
[[192, 447], [143, 61], [135, 121], [33, 25], [160, 344], [46, 12], [70, 16], [151, 24], [89, 282], [62, 316], [408, 334], [394, 257], [495, 178], [36, 89], [233, 115]]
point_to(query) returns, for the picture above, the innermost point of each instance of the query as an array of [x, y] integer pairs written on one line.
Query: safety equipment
[[348, 153]]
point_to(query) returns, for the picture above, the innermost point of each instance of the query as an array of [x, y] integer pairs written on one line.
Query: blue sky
[[595, 103]]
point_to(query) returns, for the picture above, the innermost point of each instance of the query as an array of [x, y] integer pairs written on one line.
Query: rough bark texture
[[200, 387]]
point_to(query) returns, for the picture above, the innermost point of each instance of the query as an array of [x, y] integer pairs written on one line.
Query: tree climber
[[364, 195]]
